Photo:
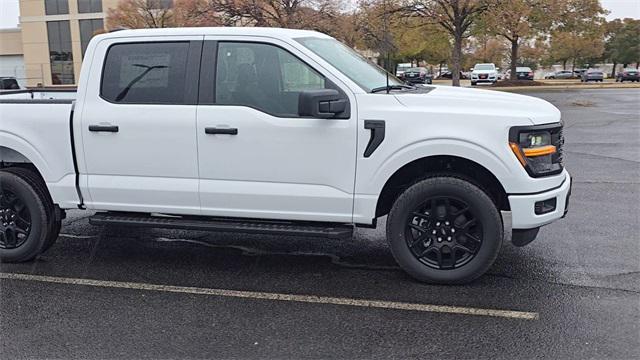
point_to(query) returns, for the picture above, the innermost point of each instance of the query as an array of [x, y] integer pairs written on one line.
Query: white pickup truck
[[278, 131]]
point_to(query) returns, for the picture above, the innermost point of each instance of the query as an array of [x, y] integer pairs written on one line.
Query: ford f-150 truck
[[278, 131]]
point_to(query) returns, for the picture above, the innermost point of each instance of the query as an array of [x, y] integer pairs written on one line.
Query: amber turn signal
[[539, 151], [516, 150]]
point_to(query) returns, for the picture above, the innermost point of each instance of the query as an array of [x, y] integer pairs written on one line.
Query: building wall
[[10, 42], [35, 41], [11, 59]]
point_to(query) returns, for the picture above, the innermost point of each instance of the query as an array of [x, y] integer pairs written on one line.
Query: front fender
[[493, 162]]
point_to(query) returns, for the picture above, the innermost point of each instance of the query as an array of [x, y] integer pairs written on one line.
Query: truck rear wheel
[[444, 230], [36, 182], [24, 219]]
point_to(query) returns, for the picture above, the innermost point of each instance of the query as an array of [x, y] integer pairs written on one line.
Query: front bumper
[[523, 214], [489, 79]]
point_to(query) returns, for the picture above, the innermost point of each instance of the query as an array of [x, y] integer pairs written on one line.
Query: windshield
[[416, 70], [357, 68], [523, 69], [484, 67]]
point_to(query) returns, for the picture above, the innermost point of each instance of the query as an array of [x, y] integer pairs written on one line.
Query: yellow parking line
[[522, 315]]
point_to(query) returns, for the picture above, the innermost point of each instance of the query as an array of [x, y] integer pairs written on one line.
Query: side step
[[250, 226]]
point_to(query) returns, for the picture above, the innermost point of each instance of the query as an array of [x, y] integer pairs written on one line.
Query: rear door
[[139, 125], [269, 162]]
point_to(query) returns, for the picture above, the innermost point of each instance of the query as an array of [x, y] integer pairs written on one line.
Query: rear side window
[[145, 73]]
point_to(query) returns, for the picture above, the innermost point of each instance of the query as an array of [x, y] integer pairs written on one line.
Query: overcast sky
[[619, 9]]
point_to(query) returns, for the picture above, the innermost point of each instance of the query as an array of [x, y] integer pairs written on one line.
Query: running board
[[334, 231]]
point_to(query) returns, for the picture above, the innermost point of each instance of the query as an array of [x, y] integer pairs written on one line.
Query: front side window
[[60, 54], [145, 73], [353, 65], [89, 6], [264, 77], [56, 7]]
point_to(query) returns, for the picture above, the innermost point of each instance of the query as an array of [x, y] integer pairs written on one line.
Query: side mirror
[[323, 103]]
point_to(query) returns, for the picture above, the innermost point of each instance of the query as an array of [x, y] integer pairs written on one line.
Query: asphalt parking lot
[[572, 294]]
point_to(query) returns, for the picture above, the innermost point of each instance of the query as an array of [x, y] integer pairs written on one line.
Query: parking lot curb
[[566, 87]]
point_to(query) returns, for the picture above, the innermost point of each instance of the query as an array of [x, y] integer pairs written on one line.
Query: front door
[[139, 127], [257, 157]]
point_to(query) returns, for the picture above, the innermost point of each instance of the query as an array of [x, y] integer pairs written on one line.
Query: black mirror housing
[[322, 103]]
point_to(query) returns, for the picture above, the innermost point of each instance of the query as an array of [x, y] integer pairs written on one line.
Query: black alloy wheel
[[444, 233], [15, 220], [445, 229], [24, 218]]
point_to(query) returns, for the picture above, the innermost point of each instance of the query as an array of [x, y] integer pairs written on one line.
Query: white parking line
[[522, 315]]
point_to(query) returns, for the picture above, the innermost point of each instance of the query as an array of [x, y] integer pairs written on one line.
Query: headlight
[[538, 148]]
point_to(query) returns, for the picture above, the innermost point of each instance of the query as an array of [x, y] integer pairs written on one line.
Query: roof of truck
[[237, 31]]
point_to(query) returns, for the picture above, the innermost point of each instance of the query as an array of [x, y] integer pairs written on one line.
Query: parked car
[[9, 83], [577, 73], [562, 74], [401, 68], [592, 75], [628, 74], [448, 75], [157, 137], [417, 75], [524, 73], [484, 73]]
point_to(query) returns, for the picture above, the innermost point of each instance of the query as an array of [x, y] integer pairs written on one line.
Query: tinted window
[[89, 6], [146, 73], [60, 54], [56, 7], [87, 29], [262, 76], [9, 84]]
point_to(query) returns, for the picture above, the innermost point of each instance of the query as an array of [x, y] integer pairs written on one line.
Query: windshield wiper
[[148, 69], [388, 88]]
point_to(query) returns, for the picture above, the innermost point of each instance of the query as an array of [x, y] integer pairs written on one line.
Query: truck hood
[[488, 102]]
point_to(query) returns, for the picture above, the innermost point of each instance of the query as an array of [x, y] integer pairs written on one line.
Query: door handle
[[104, 128], [224, 131]]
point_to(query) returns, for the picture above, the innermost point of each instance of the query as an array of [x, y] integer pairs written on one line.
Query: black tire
[[15, 189], [401, 229], [55, 224]]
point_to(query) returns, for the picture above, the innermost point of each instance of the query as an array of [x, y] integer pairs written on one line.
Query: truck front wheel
[[24, 219], [444, 230]]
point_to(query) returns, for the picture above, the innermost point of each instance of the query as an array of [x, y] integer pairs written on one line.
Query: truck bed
[[36, 125], [31, 95]]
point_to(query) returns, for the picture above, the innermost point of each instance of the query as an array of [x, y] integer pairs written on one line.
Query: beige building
[[52, 37]]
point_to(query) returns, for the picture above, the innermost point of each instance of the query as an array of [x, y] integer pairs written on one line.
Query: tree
[[517, 21], [296, 14], [622, 45], [488, 49], [577, 47], [157, 14], [456, 17]]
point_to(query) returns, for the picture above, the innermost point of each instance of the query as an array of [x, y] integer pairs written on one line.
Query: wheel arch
[[427, 166], [19, 153]]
